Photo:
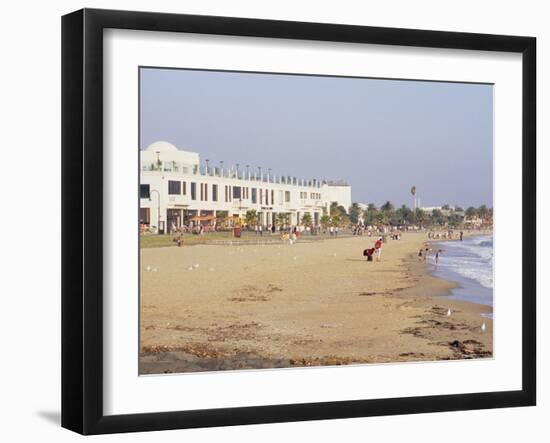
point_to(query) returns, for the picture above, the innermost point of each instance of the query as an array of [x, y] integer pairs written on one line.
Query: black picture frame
[[82, 216]]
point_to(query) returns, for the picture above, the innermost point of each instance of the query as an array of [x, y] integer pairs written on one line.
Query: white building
[[175, 190], [430, 209]]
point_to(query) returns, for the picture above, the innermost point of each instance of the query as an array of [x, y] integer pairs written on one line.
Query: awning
[[203, 218]]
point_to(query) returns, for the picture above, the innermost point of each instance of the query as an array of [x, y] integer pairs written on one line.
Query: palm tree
[[251, 217], [413, 192], [419, 216], [354, 213], [406, 214], [282, 218], [437, 217], [325, 220], [369, 214], [306, 219], [471, 212], [387, 207], [482, 211]]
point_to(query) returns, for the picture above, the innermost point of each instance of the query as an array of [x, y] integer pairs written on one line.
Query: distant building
[[430, 209], [338, 192], [175, 190]]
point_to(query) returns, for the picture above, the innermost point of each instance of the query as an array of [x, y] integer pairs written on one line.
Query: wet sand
[[308, 304]]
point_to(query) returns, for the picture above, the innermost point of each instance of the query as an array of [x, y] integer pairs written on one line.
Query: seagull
[[448, 312], [483, 327], [148, 268], [197, 265], [190, 268]]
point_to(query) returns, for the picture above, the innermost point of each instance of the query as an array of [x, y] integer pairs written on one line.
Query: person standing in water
[[437, 255]]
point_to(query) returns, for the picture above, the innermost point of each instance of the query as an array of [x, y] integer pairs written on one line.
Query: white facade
[[340, 193], [175, 190]]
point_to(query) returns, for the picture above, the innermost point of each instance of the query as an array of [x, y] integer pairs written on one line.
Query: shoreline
[[464, 283], [394, 311]]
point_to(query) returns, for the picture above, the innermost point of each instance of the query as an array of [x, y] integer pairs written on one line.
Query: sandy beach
[[214, 307]]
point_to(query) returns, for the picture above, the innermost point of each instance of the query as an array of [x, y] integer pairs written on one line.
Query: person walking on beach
[[461, 234], [378, 248]]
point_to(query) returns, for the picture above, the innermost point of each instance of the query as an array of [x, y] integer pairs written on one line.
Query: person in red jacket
[[378, 248]]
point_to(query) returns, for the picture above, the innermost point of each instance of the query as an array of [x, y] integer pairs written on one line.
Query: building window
[[174, 187], [237, 192], [215, 193], [254, 195], [272, 197], [287, 196], [144, 191], [280, 197], [261, 196], [204, 192], [193, 191], [184, 188]]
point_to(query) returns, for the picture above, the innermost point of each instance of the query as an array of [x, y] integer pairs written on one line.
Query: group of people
[[424, 252], [375, 251], [449, 235]]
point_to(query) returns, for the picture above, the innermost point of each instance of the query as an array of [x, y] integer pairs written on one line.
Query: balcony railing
[[232, 173]]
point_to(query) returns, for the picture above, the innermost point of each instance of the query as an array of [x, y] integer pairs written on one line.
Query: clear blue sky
[[382, 136]]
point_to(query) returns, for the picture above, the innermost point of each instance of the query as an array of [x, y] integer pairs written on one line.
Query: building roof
[[161, 146]]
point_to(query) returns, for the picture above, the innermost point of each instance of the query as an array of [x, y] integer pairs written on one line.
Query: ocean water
[[469, 263]]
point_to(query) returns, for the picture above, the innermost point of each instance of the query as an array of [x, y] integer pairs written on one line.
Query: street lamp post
[[158, 159], [158, 208]]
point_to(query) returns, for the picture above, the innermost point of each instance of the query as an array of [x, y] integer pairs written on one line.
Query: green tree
[[369, 214], [325, 221], [306, 219], [387, 207], [436, 217], [354, 213], [455, 220], [419, 217], [471, 212], [482, 211], [406, 214], [282, 218], [251, 218]]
